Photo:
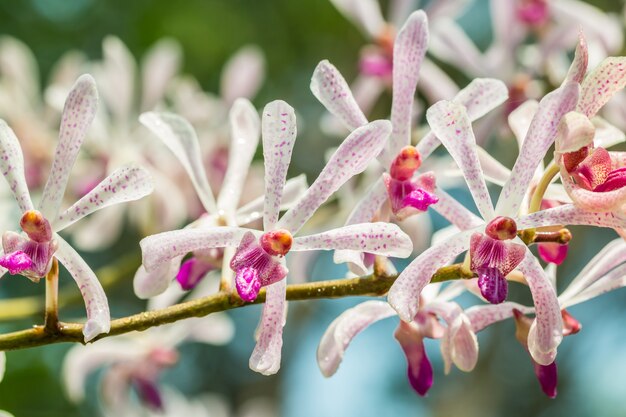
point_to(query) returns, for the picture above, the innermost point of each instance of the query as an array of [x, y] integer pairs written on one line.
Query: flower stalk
[[51, 320]]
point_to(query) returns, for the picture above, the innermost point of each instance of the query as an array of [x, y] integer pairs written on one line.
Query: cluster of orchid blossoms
[[243, 241]]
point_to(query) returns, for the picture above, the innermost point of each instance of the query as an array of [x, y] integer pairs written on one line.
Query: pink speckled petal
[[245, 128], [455, 212], [351, 158], [279, 136], [540, 136], [160, 248], [449, 121], [12, 166], [611, 281], [365, 14], [332, 90], [548, 324], [521, 118], [179, 136], [128, 183], [408, 53], [484, 315], [569, 214], [150, 284], [601, 84], [346, 327], [376, 238], [98, 316], [294, 189], [265, 358], [578, 69], [78, 113], [404, 293]]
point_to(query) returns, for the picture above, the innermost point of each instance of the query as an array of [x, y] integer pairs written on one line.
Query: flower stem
[[51, 321], [535, 203]]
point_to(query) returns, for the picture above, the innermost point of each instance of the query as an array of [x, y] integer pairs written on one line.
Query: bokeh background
[[295, 36]]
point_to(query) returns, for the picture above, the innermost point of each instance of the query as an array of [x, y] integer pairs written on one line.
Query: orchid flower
[[259, 258], [30, 253], [407, 192], [179, 136], [458, 341], [494, 248]]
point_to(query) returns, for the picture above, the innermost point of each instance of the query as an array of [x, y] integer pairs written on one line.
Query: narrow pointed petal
[[578, 69], [405, 291], [117, 78], [265, 358], [243, 74], [384, 239], [494, 171], [159, 66], [160, 248], [540, 136], [611, 281], [452, 126], [365, 14], [179, 136], [98, 316], [408, 53], [464, 344], [451, 44], [150, 284], [569, 214], [420, 370], [547, 376], [294, 189], [12, 166], [521, 118], [279, 136], [549, 323], [245, 129], [78, 113], [332, 90], [346, 327], [125, 184], [601, 84], [351, 158], [485, 315]]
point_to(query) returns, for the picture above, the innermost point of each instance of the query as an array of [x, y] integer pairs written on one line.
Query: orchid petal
[[332, 90], [279, 136], [611, 281], [464, 344], [125, 184], [435, 84], [569, 214], [118, 77], [351, 158], [593, 201], [150, 284], [540, 136], [494, 171], [601, 84], [404, 293], [159, 66], [245, 130], [265, 358], [160, 248], [12, 166], [548, 324], [578, 69], [408, 53], [420, 370], [365, 14], [294, 189], [78, 113], [451, 44], [384, 239], [521, 118], [449, 121], [344, 328], [243, 74], [179, 136], [455, 212], [98, 316], [485, 315]]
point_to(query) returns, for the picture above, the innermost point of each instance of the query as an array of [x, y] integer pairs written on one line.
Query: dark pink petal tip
[[247, 283], [420, 199], [548, 379], [421, 374], [16, 262], [191, 273], [552, 252], [420, 371], [148, 393], [492, 285]]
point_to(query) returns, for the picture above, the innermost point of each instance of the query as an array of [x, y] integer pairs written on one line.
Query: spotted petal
[[569, 214], [540, 136], [601, 84], [332, 90], [150, 284], [265, 358], [351, 158], [344, 328], [179, 136], [279, 136], [98, 316], [160, 248], [12, 166], [548, 333], [484, 315], [449, 121], [78, 113], [128, 183], [384, 239], [578, 69], [245, 129]]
